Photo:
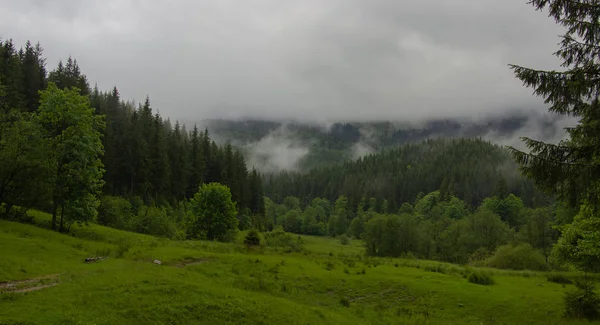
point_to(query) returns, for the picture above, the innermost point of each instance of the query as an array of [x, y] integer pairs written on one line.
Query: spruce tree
[[570, 168]]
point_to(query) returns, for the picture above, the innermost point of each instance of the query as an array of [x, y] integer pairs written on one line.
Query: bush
[[252, 238], [155, 221], [518, 257], [114, 212], [344, 240], [479, 257], [583, 301], [478, 277], [438, 268], [559, 278], [279, 238]]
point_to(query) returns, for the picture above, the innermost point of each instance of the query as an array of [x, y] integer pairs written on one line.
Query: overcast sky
[[304, 59]]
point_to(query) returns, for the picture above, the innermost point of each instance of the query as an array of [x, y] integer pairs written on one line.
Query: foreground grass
[[214, 283]]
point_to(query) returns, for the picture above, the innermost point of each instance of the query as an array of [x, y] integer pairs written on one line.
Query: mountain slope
[[470, 169]]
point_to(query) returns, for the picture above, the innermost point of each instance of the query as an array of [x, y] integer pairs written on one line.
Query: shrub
[[344, 240], [517, 257], [478, 277], [252, 238], [279, 238], [479, 256], [438, 268], [559, 278], [582, 301], [155, 221], [114, 212]]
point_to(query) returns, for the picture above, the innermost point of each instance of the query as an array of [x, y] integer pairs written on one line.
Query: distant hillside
[[466, 168], [289, 145]]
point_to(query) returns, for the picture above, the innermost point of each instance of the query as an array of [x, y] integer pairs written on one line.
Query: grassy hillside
[[214, 283]]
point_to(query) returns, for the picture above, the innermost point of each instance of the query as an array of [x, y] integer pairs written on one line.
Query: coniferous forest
[[146, 167]]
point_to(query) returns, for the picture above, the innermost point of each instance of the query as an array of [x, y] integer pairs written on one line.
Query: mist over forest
[[296, 145]]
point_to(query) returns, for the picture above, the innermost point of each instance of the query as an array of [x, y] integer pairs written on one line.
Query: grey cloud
[[307, 60]]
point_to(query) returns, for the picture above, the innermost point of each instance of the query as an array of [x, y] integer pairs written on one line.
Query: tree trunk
[[62, 215], [54, 209]]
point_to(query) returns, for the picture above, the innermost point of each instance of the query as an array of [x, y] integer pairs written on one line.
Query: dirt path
[[29, 285]]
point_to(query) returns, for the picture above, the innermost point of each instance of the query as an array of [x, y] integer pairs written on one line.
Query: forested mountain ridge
[[75, 150], [470, 169], [301, 146]]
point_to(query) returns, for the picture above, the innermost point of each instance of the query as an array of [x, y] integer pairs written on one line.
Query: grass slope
[[214, 283]]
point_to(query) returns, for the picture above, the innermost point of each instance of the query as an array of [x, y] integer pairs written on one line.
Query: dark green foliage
[[464, 237], [279, 238], [518, 257], [539, 230], [69, 76], [73, 135], [571, 168], [471, 167], [114, 212], [579, 244], [582, 301], [479, 277], [154, 221], [559, 278], [510, 209], [252, 238], [391, 235], [344, 240], [212, 214], [23, 173]]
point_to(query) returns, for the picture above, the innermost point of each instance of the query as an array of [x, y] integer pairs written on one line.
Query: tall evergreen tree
[[571, 168]]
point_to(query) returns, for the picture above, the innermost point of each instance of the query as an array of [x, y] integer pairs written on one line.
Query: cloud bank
[[313, 60]]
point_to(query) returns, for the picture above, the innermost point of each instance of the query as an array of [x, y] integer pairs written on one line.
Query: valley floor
[[44, 280]]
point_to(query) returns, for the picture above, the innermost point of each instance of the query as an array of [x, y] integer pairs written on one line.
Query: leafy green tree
[[391, 235], [322, 208], [538, 231], [579, 243], [292, 221], [114, 212], [212, 214], [357, 227], [511, 209], [22, 169], [464, 237], [406, 208], [291, 202], [73, 136], [338, 222], [455, 208]]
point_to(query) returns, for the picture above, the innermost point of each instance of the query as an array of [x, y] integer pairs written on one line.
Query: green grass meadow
[[215, 283]]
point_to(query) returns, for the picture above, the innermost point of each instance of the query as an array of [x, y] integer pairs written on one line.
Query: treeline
[[469, 169], [437, 226], [144, 158]]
